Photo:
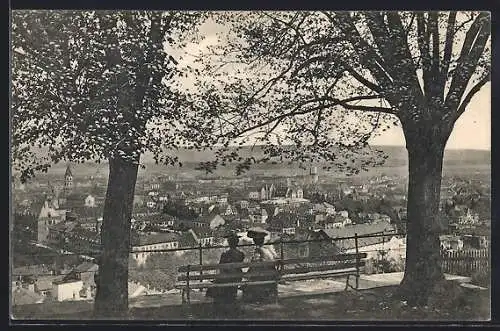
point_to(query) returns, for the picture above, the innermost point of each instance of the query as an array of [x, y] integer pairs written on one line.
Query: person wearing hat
[[265, 292], [232, 255]]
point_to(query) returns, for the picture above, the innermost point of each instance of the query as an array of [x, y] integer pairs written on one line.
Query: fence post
[[201, 263], [357, 259], [281, 249], [187, 285]]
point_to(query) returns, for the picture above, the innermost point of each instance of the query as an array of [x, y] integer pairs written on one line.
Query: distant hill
[[397, 154], [397, 157]]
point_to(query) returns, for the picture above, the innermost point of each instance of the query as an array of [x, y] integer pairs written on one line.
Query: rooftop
[[22, 296], [154, 238]]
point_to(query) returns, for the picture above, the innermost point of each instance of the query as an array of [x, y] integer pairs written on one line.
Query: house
[[151, 186], [450, 242], [336, 221], [254, 195], [162, 221], [294, 193], [151, 204], [44, 284], [67, 289], [283, 223], [267, 192], [205, 239], [146, 244], [49, 214], [90, 201], [85, 272], [190, 238], [324, 208], [211, 221], [307, 243], [364, 244], [222, 199]]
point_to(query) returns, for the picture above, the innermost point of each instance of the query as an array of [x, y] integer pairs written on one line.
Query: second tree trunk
[[112, 293]]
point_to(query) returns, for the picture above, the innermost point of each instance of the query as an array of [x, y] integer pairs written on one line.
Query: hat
[[257, 232], [232, 234]]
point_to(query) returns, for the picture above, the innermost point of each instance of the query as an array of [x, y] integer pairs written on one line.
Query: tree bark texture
[[112, 288], [425, 147]]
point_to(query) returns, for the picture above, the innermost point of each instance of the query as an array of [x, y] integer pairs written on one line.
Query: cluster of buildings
[[40, 284], [169, 215]]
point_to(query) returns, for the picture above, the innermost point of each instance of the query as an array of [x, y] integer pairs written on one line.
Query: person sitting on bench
[[261, 292], [233, 255]]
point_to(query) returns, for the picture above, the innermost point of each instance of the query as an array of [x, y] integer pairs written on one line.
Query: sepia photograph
[[250, 165]]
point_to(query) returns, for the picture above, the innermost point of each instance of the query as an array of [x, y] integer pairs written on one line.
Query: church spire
[[68, 178], [68, 171]]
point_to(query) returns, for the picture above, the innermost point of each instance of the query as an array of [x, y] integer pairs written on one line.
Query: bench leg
[[347, 283], [276, 294]]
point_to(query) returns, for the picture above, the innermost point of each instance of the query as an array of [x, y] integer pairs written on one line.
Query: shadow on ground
[[375, 304], [457, 304]]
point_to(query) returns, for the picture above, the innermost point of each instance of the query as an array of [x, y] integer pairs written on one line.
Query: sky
[[471, 131]]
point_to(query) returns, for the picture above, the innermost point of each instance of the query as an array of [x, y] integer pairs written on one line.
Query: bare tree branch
[[374, 87], [333, 102], [474, 45], [432, 24], [448, 46], [367, 54], [470, 95]]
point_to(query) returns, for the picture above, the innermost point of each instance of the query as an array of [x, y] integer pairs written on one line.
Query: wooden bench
[[287, 270]]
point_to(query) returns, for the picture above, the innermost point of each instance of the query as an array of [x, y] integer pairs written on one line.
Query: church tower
[[68, 180]]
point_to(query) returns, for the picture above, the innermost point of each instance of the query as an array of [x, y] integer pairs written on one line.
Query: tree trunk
[[112, 288], [423, 260]]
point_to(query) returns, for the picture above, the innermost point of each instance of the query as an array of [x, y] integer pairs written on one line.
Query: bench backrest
[[284, 267]]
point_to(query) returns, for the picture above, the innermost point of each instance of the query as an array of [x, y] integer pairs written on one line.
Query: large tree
[[96, 86], [326, 82]]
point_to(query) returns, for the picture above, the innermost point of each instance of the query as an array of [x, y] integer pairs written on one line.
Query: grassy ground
[[375, 304], [450, 302]]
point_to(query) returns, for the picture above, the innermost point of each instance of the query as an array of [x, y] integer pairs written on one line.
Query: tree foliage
[[97, 86], [325, 82], [93, 85]]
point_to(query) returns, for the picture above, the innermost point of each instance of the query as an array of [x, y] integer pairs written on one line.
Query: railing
[[160, 276], [466, 262], [202, 250]]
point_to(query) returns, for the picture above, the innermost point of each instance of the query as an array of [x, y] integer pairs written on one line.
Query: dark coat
[[227, 294]]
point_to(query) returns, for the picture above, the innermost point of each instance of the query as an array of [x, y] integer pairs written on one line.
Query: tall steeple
[[68, 179]]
